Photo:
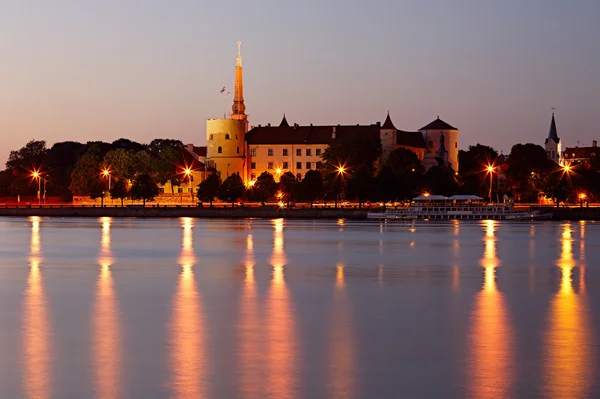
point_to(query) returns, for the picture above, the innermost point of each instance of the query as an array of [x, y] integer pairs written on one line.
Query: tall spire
[[388, 123], [553, 134], [239, 108]]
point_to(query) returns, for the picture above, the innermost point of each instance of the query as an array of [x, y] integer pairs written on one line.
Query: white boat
[[467, 207]]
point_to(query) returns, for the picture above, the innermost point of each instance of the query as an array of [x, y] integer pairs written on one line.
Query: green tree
[[86, 173], [121, 164], [167, 162], [361, 185], [440, 180], [526, 161], [60, 160], [157, 146], [97, 190], [312, 186], [352, 149], [209, 188], [28, 157], [555, 185], [402, 161], [265, 187], [472, 169], [288, 185], [232, 189], [144, 187], [386, 185], [119, 190]]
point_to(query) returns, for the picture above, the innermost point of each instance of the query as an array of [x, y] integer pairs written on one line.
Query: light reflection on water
[[187, 326], [36, 347], [570, 370], [106, 326], [491, 339], [281, 347], [306, 308]]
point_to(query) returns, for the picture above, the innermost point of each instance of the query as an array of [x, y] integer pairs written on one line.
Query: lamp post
[[188, 173], [36, 175], [106, 173], [340, 171], [490, 170]]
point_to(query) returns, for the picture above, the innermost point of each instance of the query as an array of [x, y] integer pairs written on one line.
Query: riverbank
[[197, 212], [560, 214]]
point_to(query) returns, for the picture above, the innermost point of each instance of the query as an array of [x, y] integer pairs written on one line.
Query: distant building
[[581, 154], [232, 148], [553, 144]]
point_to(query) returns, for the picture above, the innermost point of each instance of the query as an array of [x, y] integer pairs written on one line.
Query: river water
[[193, 308]]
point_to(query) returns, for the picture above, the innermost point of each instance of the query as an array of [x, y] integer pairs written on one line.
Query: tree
[[386, 185], [232, 189], [288, 185], [121, 164], [526, 161], [554, 185], [166, 162], [86, 173], [60, 160], [360, 185], [265, 187], [97, 190], [119, 190], [440, 180], [28, 157], [402, 161], [144, 188], [209, 188], [128, 145], [311, 187], [472, 168], [157, 146], [353, 149]]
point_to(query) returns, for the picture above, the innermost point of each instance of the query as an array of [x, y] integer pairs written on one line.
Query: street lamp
[[491, 169], [188, 173], [106, 173], [36, 175]]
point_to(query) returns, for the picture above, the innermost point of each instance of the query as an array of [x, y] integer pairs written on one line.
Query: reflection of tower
[[106, 348], [282, 338], [342, 355], [36, 346], [490, 361], [226, 138], [569, 367], [187, 335]]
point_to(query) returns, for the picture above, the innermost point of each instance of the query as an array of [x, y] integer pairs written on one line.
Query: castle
[[233, 147]]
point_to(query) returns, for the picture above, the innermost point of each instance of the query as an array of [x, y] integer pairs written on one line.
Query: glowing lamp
[[341, 169], [35, 174], [278, 171], [567, 168], [490, 169], [582, 196], [426, 194], [187, 171]]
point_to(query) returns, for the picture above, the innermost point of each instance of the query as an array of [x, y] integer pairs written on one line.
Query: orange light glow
[[426, 194], [341, 169], [490, 169], [570, 366], [582, 196], [106, 172], [35, 174], [279, 195], [250, 183], [187, 327], [278, 171], [187, 171], [567, 168], [490, 364], [36, 347]]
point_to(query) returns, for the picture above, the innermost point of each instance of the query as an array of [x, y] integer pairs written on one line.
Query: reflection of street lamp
[[491, 169]]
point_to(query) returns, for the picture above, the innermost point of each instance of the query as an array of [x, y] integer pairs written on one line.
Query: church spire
[[553, 134], [238, 110]]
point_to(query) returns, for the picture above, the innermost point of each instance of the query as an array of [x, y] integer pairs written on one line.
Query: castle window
[[270, 152], [285, 152], [220, 150], [270, 165], [456, 144], [285, 165], [253, 152], [319, 165], [298, 152], [180, 190], [191, 179], [308, 152], [211, 137], [236, 137], [318, 151], [298, 165], [238, 150], [253, 165], [227, 137], [308, 165]]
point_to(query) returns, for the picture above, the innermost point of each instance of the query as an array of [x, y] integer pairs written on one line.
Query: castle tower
[[553, 144], [439, 132], [387, 134], [226, 138]]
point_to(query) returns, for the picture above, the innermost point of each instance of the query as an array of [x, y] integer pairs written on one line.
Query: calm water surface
[[192, 308]]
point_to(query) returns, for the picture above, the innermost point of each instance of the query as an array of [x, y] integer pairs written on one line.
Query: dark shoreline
[[564, 214]]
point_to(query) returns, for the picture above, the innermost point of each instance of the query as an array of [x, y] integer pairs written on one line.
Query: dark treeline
[[71, 168], [352, 170]]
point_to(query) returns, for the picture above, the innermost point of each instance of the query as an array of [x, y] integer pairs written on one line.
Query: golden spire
[[239, 108], [239, 57]]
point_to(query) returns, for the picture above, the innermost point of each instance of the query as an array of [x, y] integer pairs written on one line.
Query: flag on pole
[[223, 90]]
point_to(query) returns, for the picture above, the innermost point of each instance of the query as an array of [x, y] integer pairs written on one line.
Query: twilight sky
[[99, 70]]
